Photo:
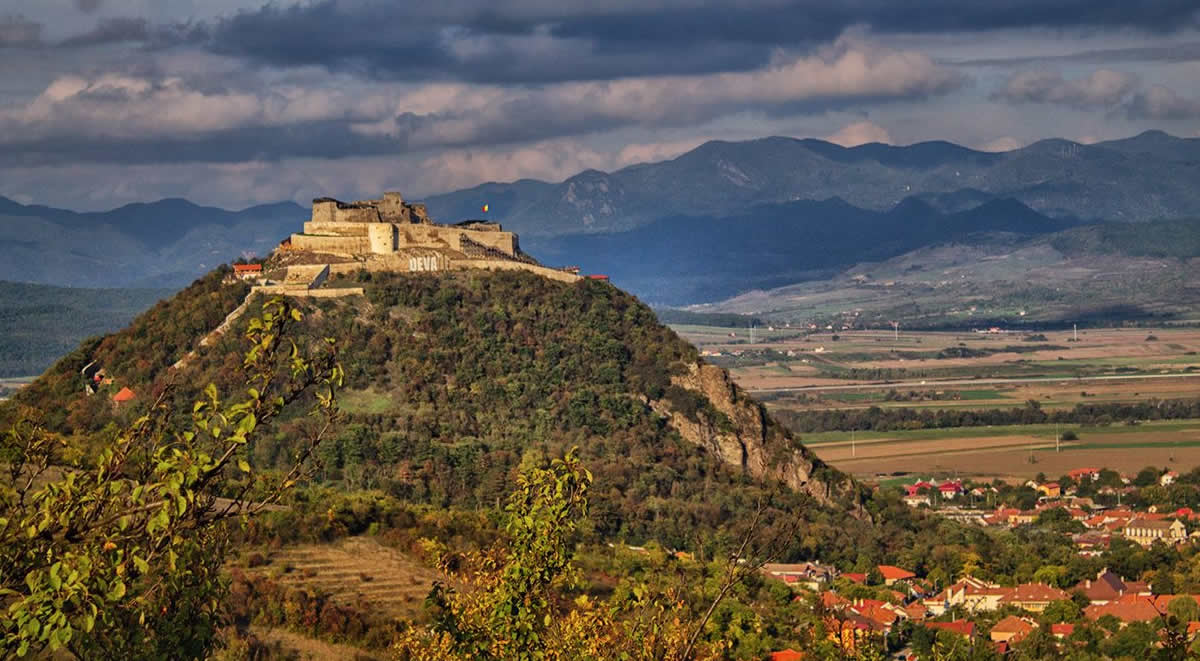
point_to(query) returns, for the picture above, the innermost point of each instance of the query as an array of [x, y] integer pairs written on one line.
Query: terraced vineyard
[[355, 570]]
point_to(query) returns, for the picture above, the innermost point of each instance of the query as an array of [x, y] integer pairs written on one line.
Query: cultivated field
[[791, 369], [355, 570]]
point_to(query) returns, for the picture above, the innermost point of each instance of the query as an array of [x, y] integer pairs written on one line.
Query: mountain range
[[723, 218], [1146, 177]]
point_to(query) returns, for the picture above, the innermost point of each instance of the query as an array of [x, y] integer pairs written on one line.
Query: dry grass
[[310, 649]]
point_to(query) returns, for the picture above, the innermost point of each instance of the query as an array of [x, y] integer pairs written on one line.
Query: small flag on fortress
[[485, 207]]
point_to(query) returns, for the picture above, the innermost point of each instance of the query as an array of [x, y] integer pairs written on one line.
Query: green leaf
[[117, 591], [243, 465], [141, 564]]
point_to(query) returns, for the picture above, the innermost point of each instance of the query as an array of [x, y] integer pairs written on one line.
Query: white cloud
[[1102, 88], [860, 133], [1161, 102], [445, 114]]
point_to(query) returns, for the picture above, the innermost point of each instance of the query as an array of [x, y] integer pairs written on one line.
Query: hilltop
[[456, 378]]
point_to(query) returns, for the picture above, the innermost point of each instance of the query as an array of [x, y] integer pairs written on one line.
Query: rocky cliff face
[[739, 431]]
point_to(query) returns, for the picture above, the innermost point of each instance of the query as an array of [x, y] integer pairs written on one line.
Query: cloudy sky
[[233, 103]]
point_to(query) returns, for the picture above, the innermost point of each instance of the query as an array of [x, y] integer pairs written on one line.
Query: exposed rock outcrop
[[739, 430]]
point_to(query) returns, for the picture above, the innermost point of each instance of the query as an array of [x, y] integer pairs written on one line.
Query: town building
[[1146, 531]]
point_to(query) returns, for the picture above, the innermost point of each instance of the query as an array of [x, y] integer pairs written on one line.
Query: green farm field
[[798, 371]]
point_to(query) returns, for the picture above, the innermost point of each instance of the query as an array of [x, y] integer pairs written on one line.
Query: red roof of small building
[[597, 276], [895, 573], [1063, 629], [1035, 593], [1130, 608], [247, 268], [855, 578], [787, 655], [124, 395]]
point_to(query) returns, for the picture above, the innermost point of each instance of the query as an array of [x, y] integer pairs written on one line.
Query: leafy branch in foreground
[[121, 559], [510, 601]]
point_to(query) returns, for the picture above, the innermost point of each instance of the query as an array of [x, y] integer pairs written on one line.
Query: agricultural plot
[[355, 570], [1013, 453], [973, 371]]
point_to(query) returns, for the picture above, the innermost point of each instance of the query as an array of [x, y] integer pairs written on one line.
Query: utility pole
[[1057, 439], [853, 449], [1075, 329], [896, 331]]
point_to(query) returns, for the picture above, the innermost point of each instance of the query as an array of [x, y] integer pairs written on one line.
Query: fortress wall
[[335, 245], [355, 215], [302, 292], [502, 241], [324, 211], [382, 237], [306, 275], [505, 265], [346, 268], [339, 229]]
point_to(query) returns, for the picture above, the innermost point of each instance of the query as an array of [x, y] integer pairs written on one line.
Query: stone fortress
[[390, 234]]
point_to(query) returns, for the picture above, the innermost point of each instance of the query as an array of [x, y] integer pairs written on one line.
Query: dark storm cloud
[[544, 42], [304, 139], [112, 30], [1174, 52], [88, 6], [19, 32], [390, 41]]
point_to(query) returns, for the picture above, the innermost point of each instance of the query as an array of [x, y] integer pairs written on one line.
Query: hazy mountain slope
[[1146, 177], [1101, 273], [453, 380], [159, 244], [691, 259], [39, 324]]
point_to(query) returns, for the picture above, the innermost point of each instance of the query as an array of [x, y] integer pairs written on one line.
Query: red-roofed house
[[1062, 630], [247, 271], [1033, 597], [1012, 629], [1108, 586], [855, 578], [787, 655], [124, 395], [1130, 608], [832, 600], [1050, 490], [892, 574], [916, 611], [915, 488], [950, 490], [1080, 474]]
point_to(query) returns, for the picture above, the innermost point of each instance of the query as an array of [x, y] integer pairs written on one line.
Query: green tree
[[507, 611], [120, 557]]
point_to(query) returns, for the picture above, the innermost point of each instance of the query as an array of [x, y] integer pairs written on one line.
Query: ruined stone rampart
[[390, 234]]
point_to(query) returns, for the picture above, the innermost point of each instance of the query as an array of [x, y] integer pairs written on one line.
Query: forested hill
[[453, 380]]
